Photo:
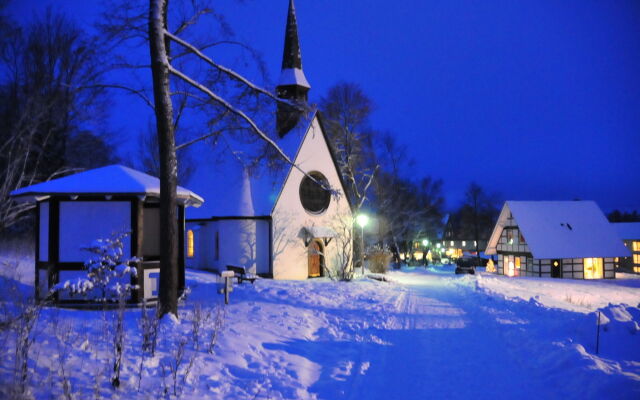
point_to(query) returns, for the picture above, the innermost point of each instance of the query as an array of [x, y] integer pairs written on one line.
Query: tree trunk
[[159, 51]]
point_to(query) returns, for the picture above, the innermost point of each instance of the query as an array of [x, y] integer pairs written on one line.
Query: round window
[[313, 196]]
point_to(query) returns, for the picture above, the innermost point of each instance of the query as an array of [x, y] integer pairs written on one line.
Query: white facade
[[290, 218], [276, 244]]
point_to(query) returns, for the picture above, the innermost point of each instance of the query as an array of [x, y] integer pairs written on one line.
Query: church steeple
[[292, 84]]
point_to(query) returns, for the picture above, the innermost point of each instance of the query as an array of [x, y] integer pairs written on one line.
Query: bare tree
[[347, 109], [49, 113]]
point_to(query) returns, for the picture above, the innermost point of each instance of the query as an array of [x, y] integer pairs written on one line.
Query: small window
[[636, 246], [636, 259], [464, 243], [509, 236], [190, 244]]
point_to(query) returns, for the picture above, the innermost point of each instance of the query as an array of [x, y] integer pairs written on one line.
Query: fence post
[[598, 334]]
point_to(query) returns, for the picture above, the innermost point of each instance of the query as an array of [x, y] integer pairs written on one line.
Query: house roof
[[112, 179], [627, 230], [561, 229], [224, 180]]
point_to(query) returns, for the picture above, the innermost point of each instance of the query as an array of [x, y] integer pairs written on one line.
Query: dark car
[[465, 266]]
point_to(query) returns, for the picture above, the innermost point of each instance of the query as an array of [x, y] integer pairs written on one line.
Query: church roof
[[561, 229], [112, 179], [223, 182]]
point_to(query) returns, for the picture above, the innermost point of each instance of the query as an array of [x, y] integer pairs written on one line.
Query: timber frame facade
[[516, 259]]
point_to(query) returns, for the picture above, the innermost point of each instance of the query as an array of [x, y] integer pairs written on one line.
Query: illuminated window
[[593, 268], [190, 246], [635, 246], [509, 236], [464, 243], [452, 243], [636, 258], [518, 262]]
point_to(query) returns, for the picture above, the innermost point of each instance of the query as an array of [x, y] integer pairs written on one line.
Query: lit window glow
[[190, 246], [636, 258], [635, 246], [593, 268]]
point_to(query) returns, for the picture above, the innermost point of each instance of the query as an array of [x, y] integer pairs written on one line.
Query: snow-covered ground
[[425, 334]]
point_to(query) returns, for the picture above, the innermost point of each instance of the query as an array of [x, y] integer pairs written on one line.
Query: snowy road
[[443, 338]]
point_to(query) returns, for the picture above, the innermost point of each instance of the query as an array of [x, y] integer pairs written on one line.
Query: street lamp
[[425, 243], [362, 220]]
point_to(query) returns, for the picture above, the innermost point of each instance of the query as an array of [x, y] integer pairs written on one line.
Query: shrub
[[379, 261]]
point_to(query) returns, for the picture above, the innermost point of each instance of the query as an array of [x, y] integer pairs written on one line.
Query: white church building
[[278, 223]]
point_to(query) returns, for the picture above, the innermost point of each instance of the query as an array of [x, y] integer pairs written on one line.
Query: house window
[[464, 243], [217, 246], [521, 238], [636, 258], [510, 236], [190, 247], [314, 196], [593, 268], [635, 246]]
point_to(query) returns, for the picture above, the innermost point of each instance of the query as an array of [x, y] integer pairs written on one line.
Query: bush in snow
[[379, 260], [107, 269]]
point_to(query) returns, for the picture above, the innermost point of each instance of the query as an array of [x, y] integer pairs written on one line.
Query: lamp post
[[362, 220], [425, 243]]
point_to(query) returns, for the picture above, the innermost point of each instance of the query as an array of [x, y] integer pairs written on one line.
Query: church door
[[316, 258]]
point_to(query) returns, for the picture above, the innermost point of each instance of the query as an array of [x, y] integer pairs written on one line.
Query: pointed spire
[[291, 57], [292, 84]]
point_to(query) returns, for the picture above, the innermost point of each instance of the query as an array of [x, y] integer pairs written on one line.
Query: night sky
[[534, 100]]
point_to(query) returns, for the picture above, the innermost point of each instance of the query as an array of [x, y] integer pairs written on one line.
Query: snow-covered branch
[[229, 72]]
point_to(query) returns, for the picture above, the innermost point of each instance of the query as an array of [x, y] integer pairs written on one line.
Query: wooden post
[[227, 280], [598, 335]]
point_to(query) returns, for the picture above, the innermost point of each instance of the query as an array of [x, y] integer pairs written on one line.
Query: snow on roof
[[112, 179], [220, 179], [561, 229], [627, 230], [293, 76]]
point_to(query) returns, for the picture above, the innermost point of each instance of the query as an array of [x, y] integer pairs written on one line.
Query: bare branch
[[139, 93], [262, 135], [230, 72]]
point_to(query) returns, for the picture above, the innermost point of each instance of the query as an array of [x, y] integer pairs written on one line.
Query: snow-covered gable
[[112, 179], [627, 230], [561, 229], [222, 180]]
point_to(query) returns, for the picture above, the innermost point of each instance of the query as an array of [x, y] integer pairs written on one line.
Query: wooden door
[[315, 258]]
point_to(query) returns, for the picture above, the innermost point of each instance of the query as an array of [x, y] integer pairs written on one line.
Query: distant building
[[278, 223], [455, 242], [555, 239], [629, 232], [73, 211]]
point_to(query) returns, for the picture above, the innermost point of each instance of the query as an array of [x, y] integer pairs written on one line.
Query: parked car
[[465, 266]]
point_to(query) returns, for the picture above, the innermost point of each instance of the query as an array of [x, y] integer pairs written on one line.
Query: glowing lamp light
[[418, 255], [438, 245], [425, 242], [362, 220]]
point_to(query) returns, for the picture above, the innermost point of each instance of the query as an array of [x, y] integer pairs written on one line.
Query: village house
[[629, 233], [287, 222], [74, 211], [556, 239]]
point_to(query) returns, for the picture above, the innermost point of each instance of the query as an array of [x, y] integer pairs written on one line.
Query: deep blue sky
[[536, 100]]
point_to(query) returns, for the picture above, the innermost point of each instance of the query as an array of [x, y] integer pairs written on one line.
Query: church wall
[[241, 242], [290, 254]]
